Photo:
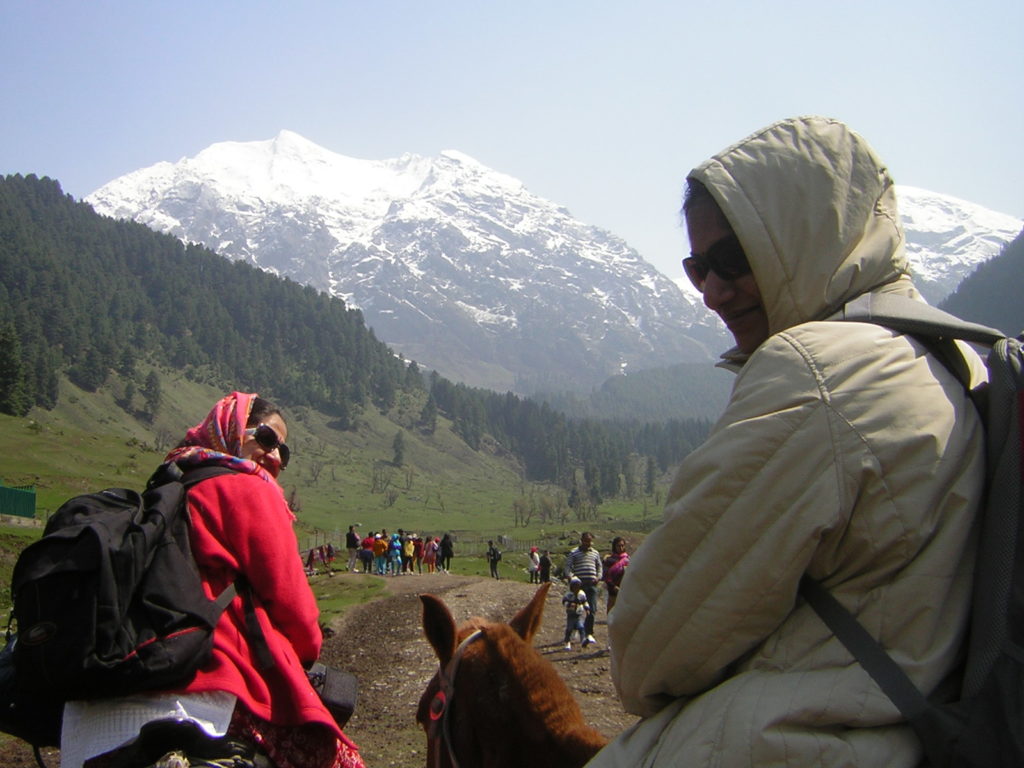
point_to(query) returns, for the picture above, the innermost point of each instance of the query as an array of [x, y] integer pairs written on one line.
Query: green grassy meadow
[[337, 478]]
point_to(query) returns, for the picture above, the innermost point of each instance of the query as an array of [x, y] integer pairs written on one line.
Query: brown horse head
[[495, 700]]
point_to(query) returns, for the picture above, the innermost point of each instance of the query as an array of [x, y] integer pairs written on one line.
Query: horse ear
[[527, 621], [439, 627]]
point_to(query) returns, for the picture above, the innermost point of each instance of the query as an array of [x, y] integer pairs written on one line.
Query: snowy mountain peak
[[948, 237], [288, 141], [462, 269], [460, 157]]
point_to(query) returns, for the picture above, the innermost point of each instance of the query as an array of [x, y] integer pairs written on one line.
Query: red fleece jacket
[[241, 525]]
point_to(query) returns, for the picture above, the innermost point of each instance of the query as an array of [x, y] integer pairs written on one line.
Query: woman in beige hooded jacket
[[845, 452]]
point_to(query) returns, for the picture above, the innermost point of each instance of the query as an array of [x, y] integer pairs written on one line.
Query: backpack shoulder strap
[[917, 318], [879, 664], [928, 723], [173, 473], [191, 477]]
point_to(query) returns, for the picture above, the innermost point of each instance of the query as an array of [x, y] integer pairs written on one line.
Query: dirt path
[[382, 643]]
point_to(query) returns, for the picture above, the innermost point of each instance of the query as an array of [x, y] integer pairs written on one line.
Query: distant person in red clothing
[[417, 553], [430, 550], [366, 553], [614, 569], [241, 527]]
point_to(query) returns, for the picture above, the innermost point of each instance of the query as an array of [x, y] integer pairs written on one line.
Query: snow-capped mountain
[[453, 264], [462, 269], [947, 238]]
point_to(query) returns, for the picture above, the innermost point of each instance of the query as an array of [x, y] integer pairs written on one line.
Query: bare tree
[[383, 474], [520, 512], [548, 509], [561, 507], [163, 439]]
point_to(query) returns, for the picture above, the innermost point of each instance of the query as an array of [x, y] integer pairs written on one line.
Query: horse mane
[[521, 708], [538, 678]]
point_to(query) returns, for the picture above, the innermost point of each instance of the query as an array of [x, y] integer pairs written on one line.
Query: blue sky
[[602, 107]]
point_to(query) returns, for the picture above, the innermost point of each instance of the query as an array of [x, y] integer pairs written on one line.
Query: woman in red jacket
[[241, 527]]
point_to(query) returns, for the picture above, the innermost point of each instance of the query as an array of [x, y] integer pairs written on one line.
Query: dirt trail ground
[[382, 643]]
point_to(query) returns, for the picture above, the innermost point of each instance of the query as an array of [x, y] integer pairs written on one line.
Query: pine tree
[[428, 416], [398, 445], [14, 395], [413, 377], [129, 395], [47, 382], [650, 476], [89, 373], [126, 364], [575, 500], [151, 394]]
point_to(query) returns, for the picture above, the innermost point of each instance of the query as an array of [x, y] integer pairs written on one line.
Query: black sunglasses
[[268, 441], [725, 258]]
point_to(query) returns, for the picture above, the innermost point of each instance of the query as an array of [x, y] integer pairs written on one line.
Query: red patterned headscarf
[[217, 439]]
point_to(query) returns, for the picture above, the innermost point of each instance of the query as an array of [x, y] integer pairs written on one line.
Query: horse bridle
[[440, 706]]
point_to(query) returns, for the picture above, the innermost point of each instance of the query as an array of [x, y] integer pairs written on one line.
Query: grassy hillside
[[337, 477]]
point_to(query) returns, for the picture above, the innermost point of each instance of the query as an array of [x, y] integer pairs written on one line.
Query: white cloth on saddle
[[97, 726]]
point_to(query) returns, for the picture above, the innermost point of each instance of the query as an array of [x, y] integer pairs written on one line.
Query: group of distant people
[[399, 553], [585, 570], [582, 562], [404, 552]]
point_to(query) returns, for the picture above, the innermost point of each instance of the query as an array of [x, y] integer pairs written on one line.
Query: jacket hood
[[815, 211]]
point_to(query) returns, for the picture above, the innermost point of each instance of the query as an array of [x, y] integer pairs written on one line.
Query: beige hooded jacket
[[845, 452]]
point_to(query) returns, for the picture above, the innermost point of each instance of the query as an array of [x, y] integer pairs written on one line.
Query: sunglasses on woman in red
[[268, 440]]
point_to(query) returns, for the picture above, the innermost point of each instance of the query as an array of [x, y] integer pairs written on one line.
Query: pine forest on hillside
[[82, 296], [991, 295]]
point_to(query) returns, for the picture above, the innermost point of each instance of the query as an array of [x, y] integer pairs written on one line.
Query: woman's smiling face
[[737, 302], [269, 460]]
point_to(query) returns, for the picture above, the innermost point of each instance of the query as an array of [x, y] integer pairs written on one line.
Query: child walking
[[576, 609]]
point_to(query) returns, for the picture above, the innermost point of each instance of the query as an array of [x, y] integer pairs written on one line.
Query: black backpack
[[985, 726], [108, 602]]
